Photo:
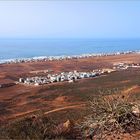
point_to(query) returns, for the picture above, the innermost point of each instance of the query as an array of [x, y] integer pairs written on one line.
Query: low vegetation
[[111, 116], [107, 116]]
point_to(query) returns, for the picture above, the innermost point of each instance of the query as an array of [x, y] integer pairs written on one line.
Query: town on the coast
[[72, 76]]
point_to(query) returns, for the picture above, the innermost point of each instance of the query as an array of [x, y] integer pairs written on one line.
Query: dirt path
[[127, 91], [63, 108], [23, 114], [46, 113]]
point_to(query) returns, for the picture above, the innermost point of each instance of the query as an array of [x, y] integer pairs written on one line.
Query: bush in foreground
[[111, 116]]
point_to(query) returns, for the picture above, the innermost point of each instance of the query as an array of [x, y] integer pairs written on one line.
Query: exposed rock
[[62, 128], [136, 111]]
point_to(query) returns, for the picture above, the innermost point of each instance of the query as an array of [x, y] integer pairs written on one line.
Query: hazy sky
[[70, 19]]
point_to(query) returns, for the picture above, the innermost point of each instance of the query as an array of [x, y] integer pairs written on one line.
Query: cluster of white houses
[[124, 66], [74, 75], [68, 76], [64, 76]]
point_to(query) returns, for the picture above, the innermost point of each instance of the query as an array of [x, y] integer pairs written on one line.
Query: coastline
[[63, 57]]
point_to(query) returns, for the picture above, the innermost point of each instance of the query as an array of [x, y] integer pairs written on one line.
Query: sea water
[[28, 48]]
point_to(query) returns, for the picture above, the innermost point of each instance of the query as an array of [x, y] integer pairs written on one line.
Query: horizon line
[[43, 38]]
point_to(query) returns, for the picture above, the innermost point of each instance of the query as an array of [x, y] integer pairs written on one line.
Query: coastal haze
[[68, 68]]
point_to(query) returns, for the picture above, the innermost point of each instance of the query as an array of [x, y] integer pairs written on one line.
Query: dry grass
[[110, 116]]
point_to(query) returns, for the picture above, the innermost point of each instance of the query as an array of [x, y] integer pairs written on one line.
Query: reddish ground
[[10, 72], [64, 98]]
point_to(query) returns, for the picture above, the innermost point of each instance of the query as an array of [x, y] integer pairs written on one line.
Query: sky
[[70, 19]]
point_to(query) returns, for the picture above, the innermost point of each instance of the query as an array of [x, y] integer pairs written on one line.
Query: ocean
[[27, 48]]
